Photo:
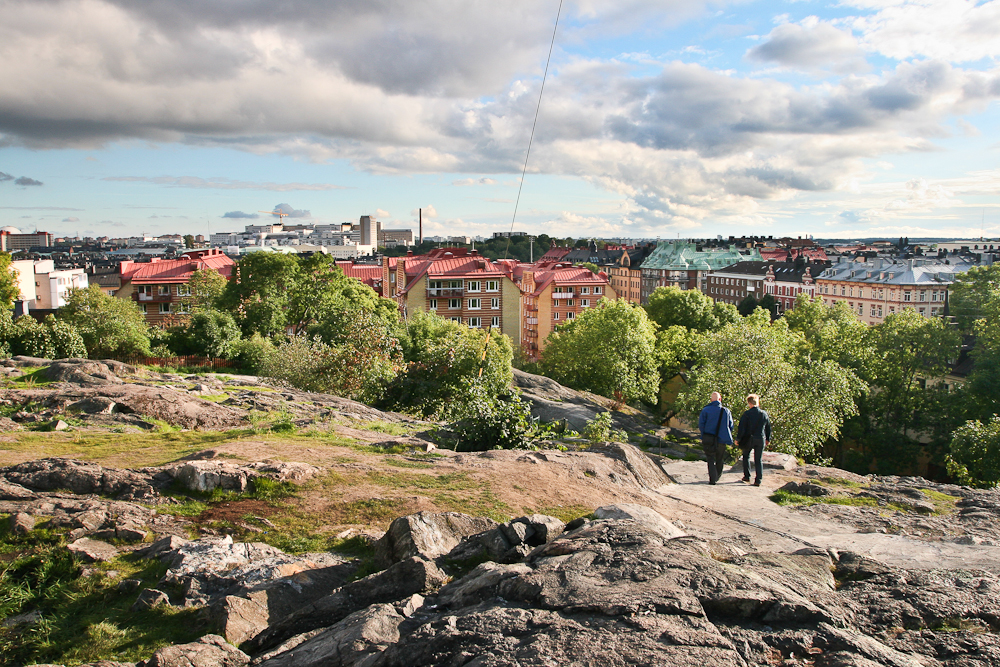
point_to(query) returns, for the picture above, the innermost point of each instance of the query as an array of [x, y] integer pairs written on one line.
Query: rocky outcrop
[[426, 534], [83, 372], [79, 477], [205, 476], [209, 651]]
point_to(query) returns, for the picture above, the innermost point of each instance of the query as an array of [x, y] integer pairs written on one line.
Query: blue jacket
[[757, 423], [709, 417]]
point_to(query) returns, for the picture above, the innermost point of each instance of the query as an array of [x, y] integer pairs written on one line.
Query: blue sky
[[660, 118]]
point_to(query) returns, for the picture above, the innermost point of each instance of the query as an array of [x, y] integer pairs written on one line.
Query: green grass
[[403, 463], [786, 498], [389, 428], [565, 513], [943, 502], [83, 618]]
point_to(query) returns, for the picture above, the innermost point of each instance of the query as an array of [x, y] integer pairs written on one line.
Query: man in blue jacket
[[716, 425]]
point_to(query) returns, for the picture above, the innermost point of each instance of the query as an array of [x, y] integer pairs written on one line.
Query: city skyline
[[863, 118]]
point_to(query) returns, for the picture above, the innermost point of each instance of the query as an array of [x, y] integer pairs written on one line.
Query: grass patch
[[458, 481], [785, 498], [403, 463], [397, 429], [943, 503], [371, 510], [83, 619], [214, 398], [565, 513], [485, 503]]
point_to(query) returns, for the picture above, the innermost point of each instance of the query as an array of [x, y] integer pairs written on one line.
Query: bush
[[209, 333], [599, 429], [252, 353], [502, 422], [975, 454], [51, 339]]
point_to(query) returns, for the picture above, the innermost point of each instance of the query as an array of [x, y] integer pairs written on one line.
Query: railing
[[146, 298], [445, 292], [563, 295], [531, 320], [188, 361]]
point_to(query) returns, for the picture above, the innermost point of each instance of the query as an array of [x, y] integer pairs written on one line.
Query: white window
[[184, 290], [494, 303], [923, 295], [475, 322], [146, 289], [454, 303], [570, 315], [569, 302], [433, 304], [184, 307], [584, 290], [585, 302], [598, 290], [880, 311], [555, 302], [474, 285], [475, 304], [843, 290], [861, 309], [163, 290], [456, 319], [392, 277], [144, 308], [164, 308], [555, 316], [906, 296], [496, 322], [492, 285], [873, 311]]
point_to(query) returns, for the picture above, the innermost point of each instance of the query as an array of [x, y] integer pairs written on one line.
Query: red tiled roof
[[369, 274], [175, 270], [567, 276]]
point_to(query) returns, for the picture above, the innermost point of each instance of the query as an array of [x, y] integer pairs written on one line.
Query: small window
[[475, 322], [923, 295], [184, 307], [492, 285], [164, 308], [598, 290], [570, 315], [584, 302], [454, 304], [164, 290], [144, 307], [496, 322], [456, 319], [474, 285], [475, 304], [584, 290], [555, 316], [184, 290], [392, 277], [569, 302], [433, 304], [494, 303], [906, 296]]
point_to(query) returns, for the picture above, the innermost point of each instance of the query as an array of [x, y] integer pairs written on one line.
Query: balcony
[[152, 298], [531, 309], [531, 320], [563, 295], [445, 292]]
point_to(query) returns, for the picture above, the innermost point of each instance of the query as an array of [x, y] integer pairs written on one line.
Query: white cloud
[[811, 46]]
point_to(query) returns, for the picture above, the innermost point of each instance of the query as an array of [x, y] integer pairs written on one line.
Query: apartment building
[[733, 284], [554, 295], [161, 288], [686, 265], [785, 281], [458, 284], [875, 289]]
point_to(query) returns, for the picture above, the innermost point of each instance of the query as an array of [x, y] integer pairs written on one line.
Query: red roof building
[[552, 294], [160, 287]]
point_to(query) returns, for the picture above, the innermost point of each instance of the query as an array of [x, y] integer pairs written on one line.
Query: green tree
[[494, 422], [831, 332], [443, 372], [971, 292], [672, 306], [983, 386], [207, 287], [258, 294], [109, 326], [188, 240], [609, 350], [9, 290], [747, 305], [806, 399], [208, 333], [974, 459], [66, 340], [323, 299], [768, 303], [677, 348]]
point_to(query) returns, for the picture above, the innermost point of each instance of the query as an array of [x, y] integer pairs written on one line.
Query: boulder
[[20, 523], [413, 575], [93, 405], [647, 473], [149, 599], [92, 550], [647, 517], [239, 619], [353, 641], [209, 651], [779, 461], [84, 372], [11, 491], [806, 489], [507, 543], [79, 477], [426, 534], [205, 476]]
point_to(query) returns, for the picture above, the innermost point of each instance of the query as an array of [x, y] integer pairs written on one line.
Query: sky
[[659, 118]]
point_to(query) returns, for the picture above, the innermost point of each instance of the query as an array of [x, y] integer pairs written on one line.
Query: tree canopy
[[672, 306], [108, 325], [9, 290], [609, 350]]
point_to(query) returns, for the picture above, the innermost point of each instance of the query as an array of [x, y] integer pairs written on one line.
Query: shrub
[[252, 353], [209, 333], [599, 429], [975, 454], [501, 422]]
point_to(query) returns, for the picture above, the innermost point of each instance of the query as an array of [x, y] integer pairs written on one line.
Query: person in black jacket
[[753, 433]]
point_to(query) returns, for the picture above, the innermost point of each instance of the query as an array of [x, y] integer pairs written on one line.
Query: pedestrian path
[[734, 509]]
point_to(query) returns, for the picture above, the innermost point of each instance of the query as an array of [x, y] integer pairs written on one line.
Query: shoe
[[712, 482], [746, 480], [757, 483]]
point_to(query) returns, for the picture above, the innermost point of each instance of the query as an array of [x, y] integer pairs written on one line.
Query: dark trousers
[[715, 452], [758, 453]]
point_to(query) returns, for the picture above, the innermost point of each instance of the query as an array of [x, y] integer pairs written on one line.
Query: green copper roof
[[683, 256]]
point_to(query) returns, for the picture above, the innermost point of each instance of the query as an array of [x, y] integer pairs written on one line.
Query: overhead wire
[[533, 124]]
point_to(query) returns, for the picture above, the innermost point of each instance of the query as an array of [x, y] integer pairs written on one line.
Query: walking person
[[753, 434], [716, 425]]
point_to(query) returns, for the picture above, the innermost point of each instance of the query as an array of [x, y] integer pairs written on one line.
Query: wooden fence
[[188, 361]]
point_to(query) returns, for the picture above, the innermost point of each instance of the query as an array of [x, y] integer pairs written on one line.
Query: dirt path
[[733, 509]]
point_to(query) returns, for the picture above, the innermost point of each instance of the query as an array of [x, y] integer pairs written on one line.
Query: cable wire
[[533, 124]]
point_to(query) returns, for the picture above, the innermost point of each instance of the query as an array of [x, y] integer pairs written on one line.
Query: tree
[[676, 349], [672, 306], [443, 371], [258, 294], [975, 454], [594, 268], [208, 333], [807, 400], [609, 350], [9, 290], [768, 303], [323, 299], [188, 240], [109, 326], [207, 287], [831, 332], [747, 305], [971, 292]]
